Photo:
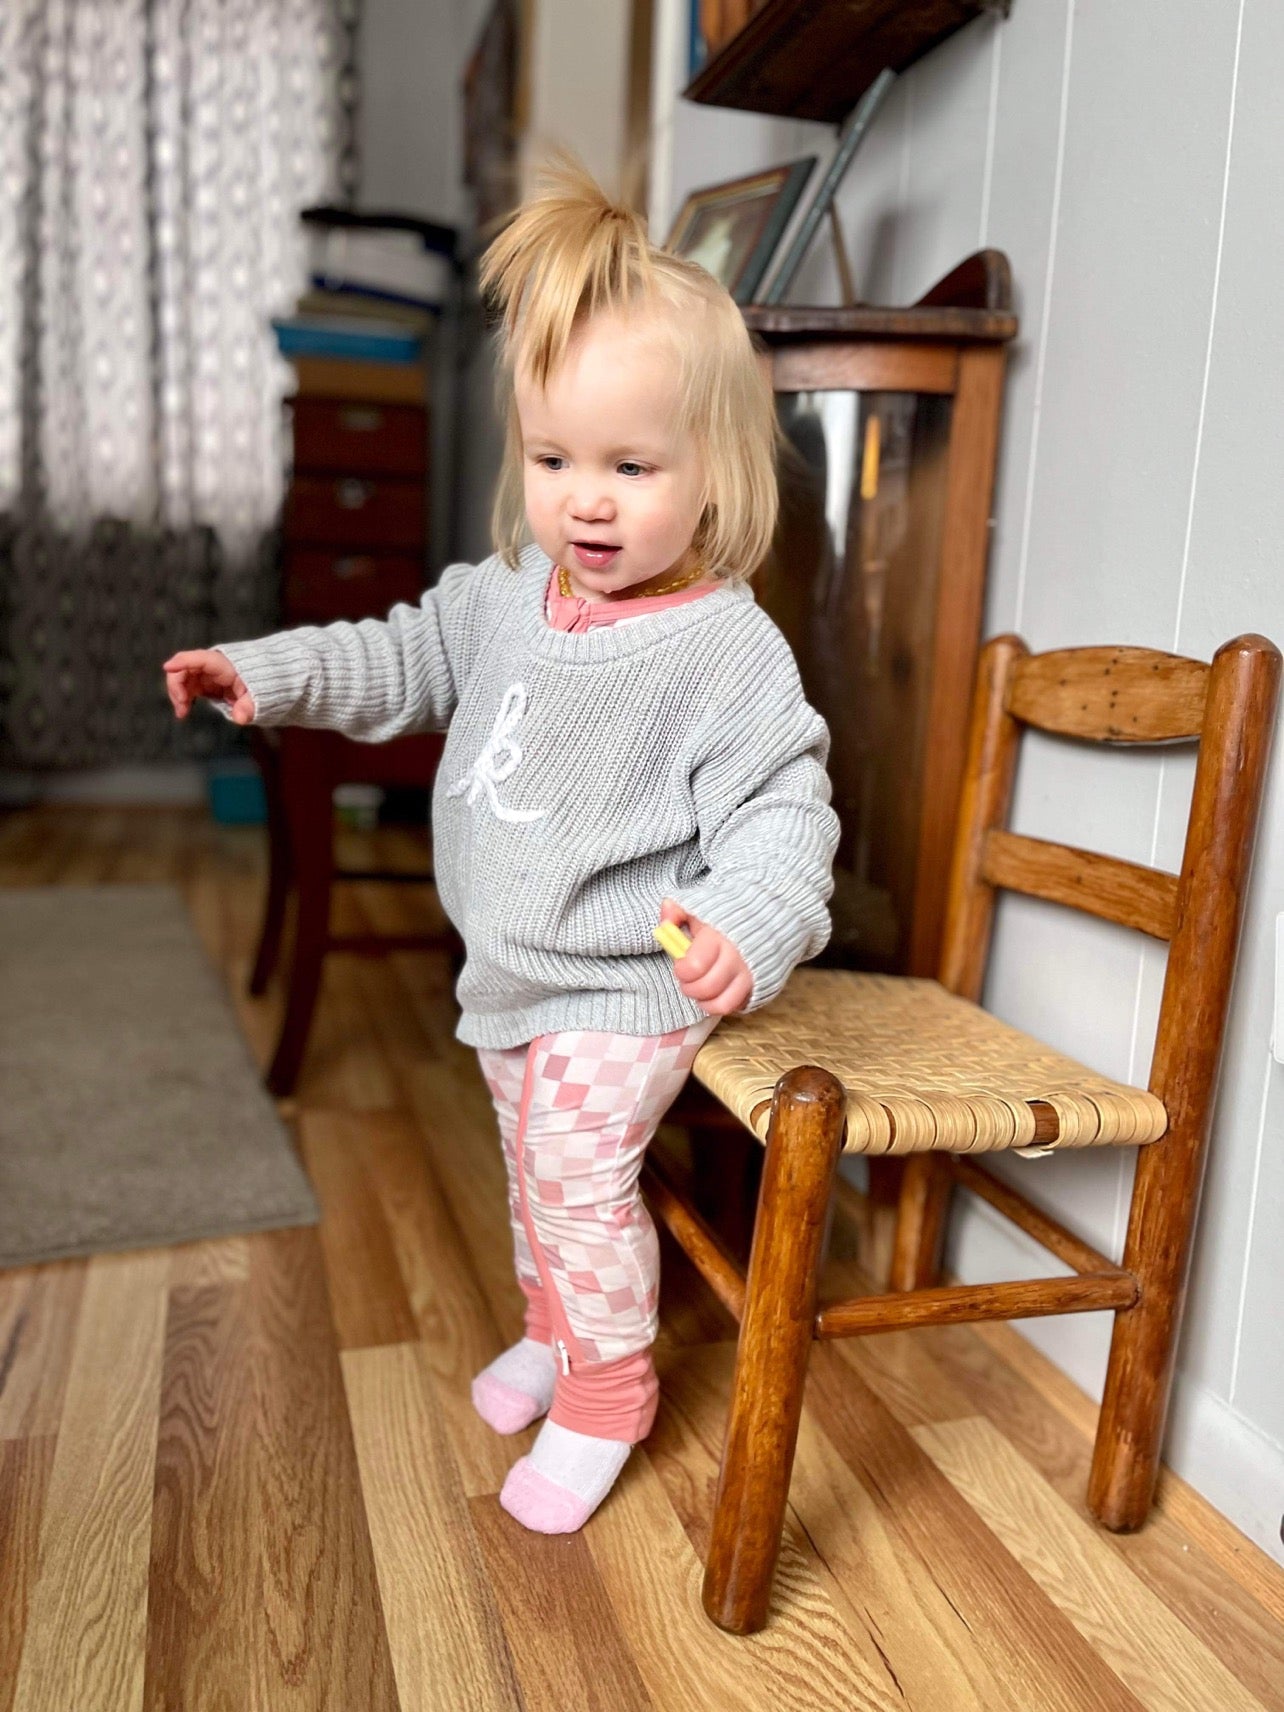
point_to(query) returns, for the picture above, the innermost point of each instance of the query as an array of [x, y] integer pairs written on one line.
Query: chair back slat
[[1111, 695], [1106, 886]]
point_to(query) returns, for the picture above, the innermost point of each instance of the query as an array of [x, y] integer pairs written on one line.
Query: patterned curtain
[[154, 155]]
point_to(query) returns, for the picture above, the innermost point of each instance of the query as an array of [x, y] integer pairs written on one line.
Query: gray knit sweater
[[585, 778]]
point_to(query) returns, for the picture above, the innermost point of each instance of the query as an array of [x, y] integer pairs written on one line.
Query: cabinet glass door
[[853, 582]]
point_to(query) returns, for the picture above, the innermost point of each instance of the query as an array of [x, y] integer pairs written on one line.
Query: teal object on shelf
[[358, 340], [236, 793]]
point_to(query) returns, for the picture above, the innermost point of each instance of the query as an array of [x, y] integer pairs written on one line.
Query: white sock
[[528, 1367], [586, 1466]]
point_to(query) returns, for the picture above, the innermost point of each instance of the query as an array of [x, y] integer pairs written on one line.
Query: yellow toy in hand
[[672, 938]]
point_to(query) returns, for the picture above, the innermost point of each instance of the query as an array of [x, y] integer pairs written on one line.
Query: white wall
[[578, 83], [1126, 158], [411, 57]]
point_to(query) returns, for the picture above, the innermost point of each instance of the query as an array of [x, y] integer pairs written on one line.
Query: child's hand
[[713, 972], [206, 672]]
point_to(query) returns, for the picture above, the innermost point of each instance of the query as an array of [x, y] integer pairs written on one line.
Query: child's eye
[[550, 460], [630, 468]]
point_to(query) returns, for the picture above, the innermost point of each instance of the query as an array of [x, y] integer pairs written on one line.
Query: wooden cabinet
[[877, 578], [356, 511]]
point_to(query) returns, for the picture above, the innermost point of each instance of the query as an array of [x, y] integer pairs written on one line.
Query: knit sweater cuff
[[767, 932], [274, 671]]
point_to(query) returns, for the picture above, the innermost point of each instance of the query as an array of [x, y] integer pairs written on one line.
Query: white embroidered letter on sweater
[[499, 760]]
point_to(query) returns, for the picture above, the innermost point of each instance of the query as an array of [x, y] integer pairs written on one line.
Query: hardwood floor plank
[[324, 1648], [204, 1616], [343, 1066], [1167, 1668], [39, 1306], [805, 1659], [1258, 1575], [216, 1260], [24, 1479], [1211, 1602], [899, 1616], [367, 1294], [567, 1647], [457, 1330], [444, 1630], [1028, 1643], [927, 1643], [86, 1621]]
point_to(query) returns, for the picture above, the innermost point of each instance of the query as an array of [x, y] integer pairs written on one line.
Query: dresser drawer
[[356, 437], [355, 511], [320, 587]]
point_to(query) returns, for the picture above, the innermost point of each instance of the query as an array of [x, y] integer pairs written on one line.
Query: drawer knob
[[348, 568], [351, 494], [360, 419]]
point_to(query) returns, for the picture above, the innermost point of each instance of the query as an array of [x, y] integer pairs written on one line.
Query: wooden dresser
[[356, 509]]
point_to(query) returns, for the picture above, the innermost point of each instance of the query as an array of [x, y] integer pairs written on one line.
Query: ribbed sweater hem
[[609, 1013]]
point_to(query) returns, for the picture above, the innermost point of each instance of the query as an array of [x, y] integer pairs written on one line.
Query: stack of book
[[363, 327]]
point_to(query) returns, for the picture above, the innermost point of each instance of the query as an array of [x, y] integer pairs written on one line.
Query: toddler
[[628, 743]]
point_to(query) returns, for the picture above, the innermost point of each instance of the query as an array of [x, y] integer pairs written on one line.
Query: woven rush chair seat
[[924, 1071]]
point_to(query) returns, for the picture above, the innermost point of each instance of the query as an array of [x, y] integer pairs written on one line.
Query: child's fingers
[[706, 983], [707, 945], [733, 997]]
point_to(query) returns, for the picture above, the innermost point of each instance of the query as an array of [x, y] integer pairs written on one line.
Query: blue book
[[361, 340]]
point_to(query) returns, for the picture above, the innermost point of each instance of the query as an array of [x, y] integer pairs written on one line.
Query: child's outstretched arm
[[767, 834], [374, 680]]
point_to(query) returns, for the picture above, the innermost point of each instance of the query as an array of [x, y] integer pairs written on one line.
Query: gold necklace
[[682, 580]]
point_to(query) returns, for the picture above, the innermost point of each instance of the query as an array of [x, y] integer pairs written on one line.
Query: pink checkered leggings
[[576, 1113]]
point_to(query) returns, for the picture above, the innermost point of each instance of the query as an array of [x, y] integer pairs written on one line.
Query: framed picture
[[733, 229]]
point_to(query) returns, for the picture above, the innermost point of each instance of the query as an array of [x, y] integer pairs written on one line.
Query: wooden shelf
[[814, 59], [971, 305]]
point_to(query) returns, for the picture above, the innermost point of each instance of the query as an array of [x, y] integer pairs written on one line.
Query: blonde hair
[[570, 253]]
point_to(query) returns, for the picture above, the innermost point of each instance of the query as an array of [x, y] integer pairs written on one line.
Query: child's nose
[[591, 504]]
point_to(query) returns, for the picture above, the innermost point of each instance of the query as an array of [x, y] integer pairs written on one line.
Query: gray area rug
[[131, 1112]]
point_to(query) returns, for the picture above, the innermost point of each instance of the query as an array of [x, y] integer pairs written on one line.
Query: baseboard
[[166, 784], [1225, 1458]]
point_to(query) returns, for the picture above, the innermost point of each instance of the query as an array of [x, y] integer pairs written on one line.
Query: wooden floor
[[245, 1474]]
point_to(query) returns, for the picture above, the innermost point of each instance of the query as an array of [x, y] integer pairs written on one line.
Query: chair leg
[[278, 888], [1161, 1225], [920, 1222], [775, 1342], [309, 804]]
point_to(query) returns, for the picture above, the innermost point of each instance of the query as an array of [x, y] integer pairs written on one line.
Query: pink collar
[[569, 612]]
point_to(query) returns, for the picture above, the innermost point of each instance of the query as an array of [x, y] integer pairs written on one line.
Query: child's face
[[613, 489]]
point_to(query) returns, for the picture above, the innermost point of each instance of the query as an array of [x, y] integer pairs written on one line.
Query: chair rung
[[955, 1303], [1107, 886], [702, 1246]]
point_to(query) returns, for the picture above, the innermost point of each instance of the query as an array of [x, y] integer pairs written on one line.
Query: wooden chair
[[893, 1065], [301, 770]]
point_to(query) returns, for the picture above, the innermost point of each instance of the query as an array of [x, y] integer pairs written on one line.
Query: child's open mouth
[[593, 558]]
